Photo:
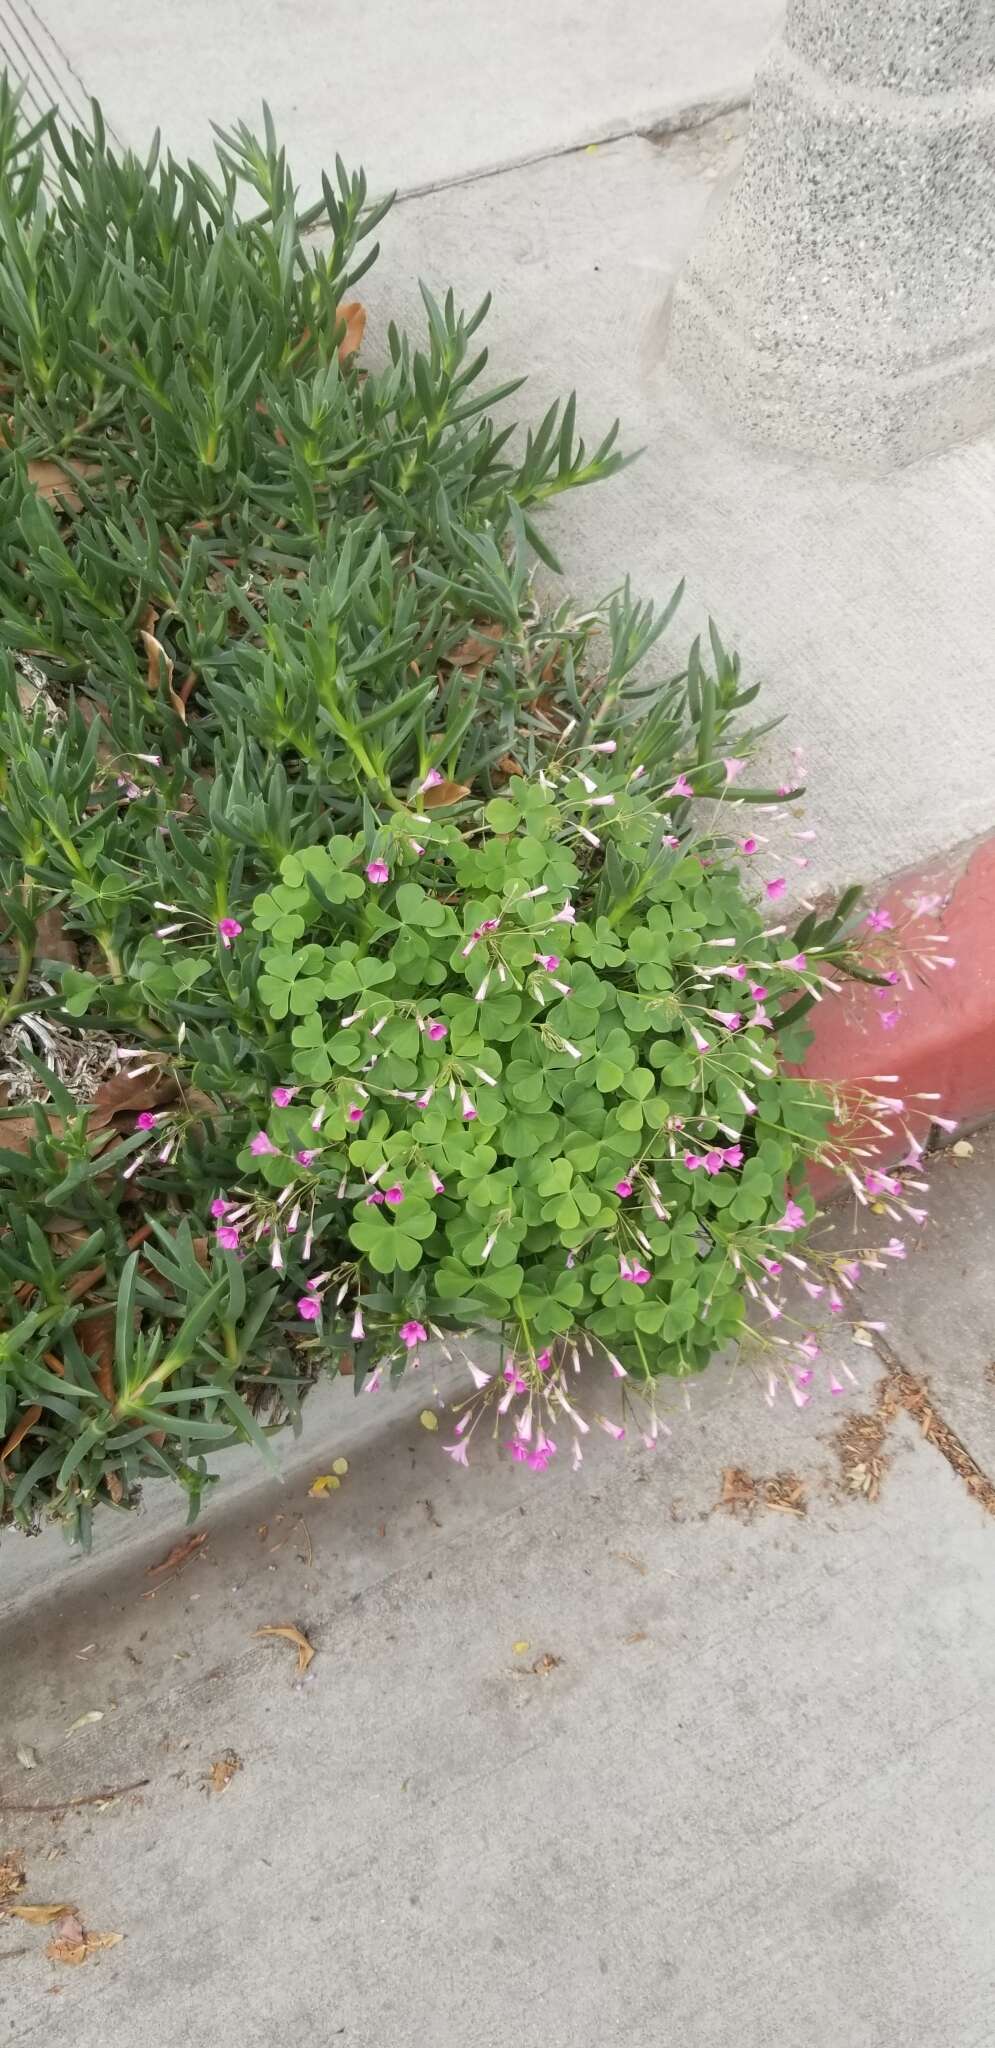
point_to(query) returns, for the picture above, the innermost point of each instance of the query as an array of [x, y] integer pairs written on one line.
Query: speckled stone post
[[842, 302]]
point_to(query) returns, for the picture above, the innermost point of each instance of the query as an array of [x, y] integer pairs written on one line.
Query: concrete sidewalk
[[578, 1761]]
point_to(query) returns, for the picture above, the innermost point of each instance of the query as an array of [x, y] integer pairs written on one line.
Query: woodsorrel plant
[[380, 961]]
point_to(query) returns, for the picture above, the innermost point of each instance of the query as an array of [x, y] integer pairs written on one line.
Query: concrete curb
[[943, 1039]]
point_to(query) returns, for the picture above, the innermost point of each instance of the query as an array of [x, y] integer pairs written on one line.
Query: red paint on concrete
[[944, 1039]]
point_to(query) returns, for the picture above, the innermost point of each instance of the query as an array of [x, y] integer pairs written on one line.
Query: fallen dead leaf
[[160, 671], [52, 483], [354, 316], [290, 1634], [20, 1430], [83, 1721], [70, 1942], [96, 1336], [963, 1149], [640, 1636], [11, 1875], [223, 1770], [179, 1553], [477, 649], [39, 1916], [443, 793], [545, 1664], [51, 939]]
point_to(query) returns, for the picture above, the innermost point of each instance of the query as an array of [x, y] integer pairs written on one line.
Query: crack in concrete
[[667, 130]]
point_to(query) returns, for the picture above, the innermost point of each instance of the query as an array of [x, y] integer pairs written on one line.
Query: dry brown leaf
[[509, 766], [96, 1336], [290, 1634], [179, 1553], [11, 1875], [640, 1636], [545, 1664], [70, 1942], [20, 1431], [473, 653], [39, 1916], [354, 316], [124, 1092], [51, 941], [52, 483], [443, 793], [160, 672], [223, 1770]]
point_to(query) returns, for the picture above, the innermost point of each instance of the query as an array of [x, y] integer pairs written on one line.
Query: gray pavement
[[752, 1803]]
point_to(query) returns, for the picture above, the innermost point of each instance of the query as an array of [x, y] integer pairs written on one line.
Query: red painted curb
[[943, 1038]]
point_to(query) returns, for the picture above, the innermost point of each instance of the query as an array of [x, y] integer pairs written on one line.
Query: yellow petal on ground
[[428, 1420]]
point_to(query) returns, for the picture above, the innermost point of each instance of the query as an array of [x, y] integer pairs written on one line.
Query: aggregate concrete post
[[842, 301]]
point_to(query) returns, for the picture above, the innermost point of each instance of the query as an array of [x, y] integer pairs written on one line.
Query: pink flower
[[394, 1196], [412, 1333], [760, 1020], [798, 961], [567, 915], [882, 1183], [305, 1158], [372, 1200], [775, 888], [681, 787], [439, 1186], [146, 1121], [703, 1044], [308, 1308], [436, 1030], [732, 1019], [544, 1360], [468, 1112], [733, 1155], [358, 1331], [758, 991], [227, 1237], [519, 1451], [377, 871], [889, 1019], [283, 1097], [894, 1249], [550, 961], [457, 1452], [878, 921], [261, 1146], [748, 845], [354, 1113], [432, 781], [229, 929], [612, 1429], [219, 1207], [639, 1275], [713, 1162], [732, 767], [793, 1218], [623, 1188]]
